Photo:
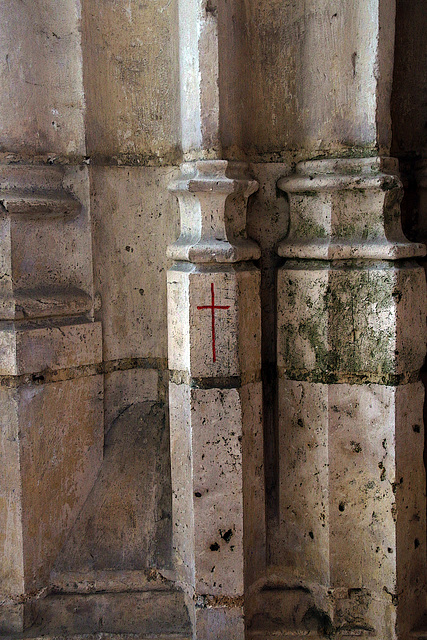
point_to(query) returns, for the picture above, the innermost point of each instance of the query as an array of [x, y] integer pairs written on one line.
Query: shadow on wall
[[409, 124]]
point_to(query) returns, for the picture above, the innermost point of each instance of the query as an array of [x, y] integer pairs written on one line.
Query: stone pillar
[[51, 436], [214, 347], [215, 399], [351, 342]]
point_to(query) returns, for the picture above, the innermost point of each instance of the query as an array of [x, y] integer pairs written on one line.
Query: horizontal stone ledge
[[46, 204], [111, 581], [214, 251], [216, 602], [342, 377], [324, 249], [219, 382], [49, 376], [44, 302]]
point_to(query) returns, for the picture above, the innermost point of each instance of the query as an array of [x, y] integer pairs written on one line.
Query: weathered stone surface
[[42, 102], [218, 498], [50, 460], [152, 613], [131, 80], [198, 346], [349, 549], [134, 219], [311, 84], [341, 322], [126, 521]]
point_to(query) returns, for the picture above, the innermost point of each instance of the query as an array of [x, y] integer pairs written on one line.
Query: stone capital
[[344, 209], [213, 196]]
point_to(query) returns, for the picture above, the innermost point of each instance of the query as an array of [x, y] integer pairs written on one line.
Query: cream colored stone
[[346, 209], [216, 500], [124, 527], [191, 337], [213, 197], [312, 83], [26, 348], [52, 445], [42, 100], [352, 505], [134, 219], [304, 482], [131, 80]]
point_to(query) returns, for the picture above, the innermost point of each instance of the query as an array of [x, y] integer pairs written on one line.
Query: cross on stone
[[212, 306]]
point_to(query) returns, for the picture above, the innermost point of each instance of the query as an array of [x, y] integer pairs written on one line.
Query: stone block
[[52, 444], [33, 348], [213, 433], [134, 220], [352, 504], [213, 316], [303, 484], [340, 321]]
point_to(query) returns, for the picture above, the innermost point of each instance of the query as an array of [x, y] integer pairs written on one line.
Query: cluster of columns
[[51, 394], [350, 344]]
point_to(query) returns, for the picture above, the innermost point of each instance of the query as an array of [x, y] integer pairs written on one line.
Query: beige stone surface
[[134, 219], [125, 524], [131, 79], [190, 328], [26, 348], [42, 101], [46, 253], [352, 505], [304, 482], [216, 499], [52, 446], [310, 76], [158, 614]]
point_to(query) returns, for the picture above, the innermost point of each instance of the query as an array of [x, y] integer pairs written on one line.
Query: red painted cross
[[212, 306]]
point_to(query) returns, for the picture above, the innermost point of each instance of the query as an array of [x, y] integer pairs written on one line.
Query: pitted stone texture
[[354, 452], [368, 319], [131, 80], [52, 444], [345, 209], [216, 449], [304, 497], [202, 348], [134, 220], [42, 103], [30, 348]]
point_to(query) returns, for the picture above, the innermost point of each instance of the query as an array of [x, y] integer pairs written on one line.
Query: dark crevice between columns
[[409, 122]]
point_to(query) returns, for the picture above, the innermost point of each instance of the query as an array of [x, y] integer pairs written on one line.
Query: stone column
[[51, 436], [351, 342], [215, 399], [351, 336], [214, 328]]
